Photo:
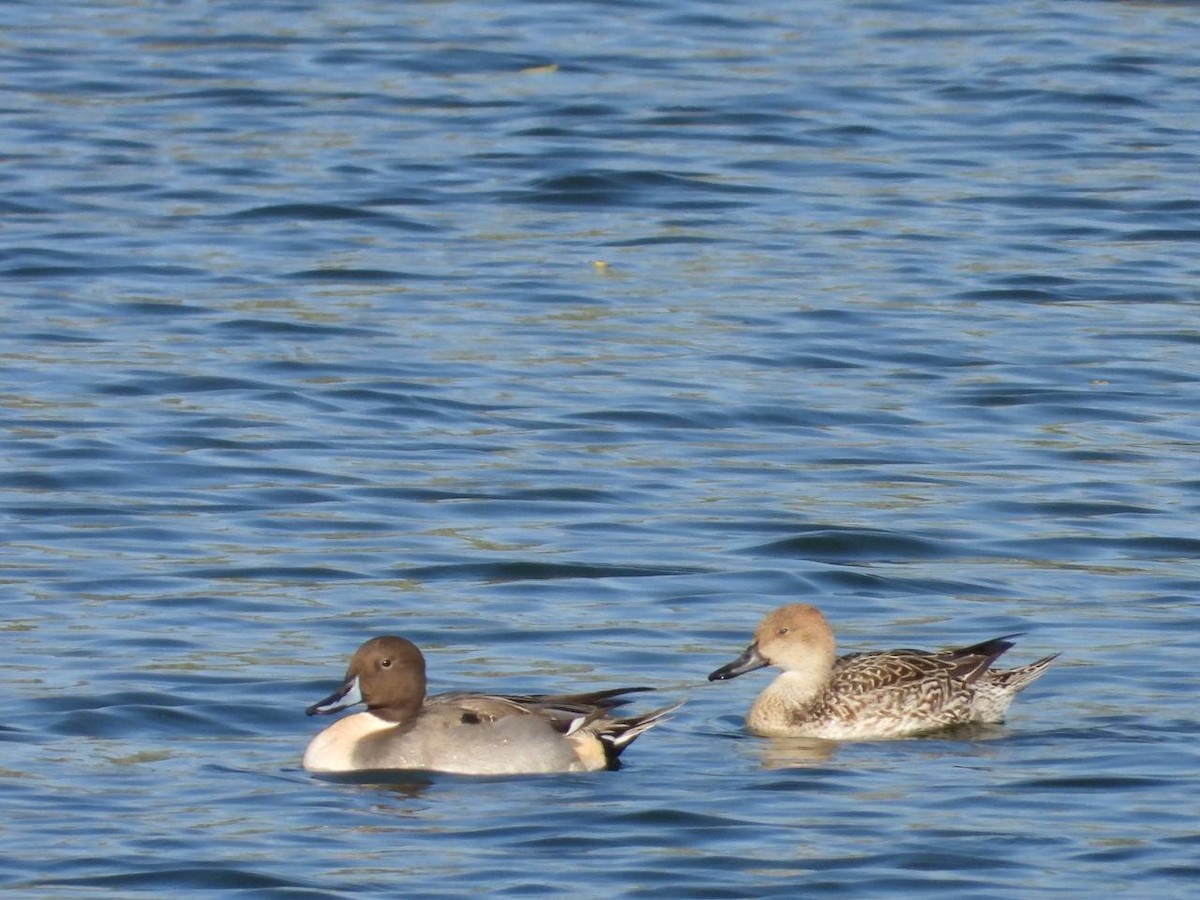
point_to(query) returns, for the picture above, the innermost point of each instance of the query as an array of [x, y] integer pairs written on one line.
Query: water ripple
[[566, 340]]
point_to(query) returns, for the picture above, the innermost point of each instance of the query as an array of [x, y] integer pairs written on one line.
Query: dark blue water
[[566, 339]]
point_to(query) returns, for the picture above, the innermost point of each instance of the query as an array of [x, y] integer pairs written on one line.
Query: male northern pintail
[[880, 694], [472, 734]]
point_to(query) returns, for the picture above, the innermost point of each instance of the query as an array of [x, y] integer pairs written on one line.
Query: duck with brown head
[[479, 734], [878, 694]]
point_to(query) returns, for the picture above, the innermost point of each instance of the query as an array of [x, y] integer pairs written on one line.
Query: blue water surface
[[566, 339]]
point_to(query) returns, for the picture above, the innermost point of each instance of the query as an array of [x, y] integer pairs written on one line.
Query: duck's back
[[470, 734], [890, 694]]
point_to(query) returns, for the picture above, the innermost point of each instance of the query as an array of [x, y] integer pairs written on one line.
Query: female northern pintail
[[881, 694], [473, 734]]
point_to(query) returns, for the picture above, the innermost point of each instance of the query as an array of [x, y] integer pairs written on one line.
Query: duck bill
[[750, 660], [347, 695]]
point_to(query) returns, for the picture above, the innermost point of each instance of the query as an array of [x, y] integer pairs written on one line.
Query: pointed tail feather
[[970, 663], [1021, 677], [617, 734]]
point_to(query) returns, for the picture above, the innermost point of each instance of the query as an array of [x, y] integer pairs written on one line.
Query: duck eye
[[783, 631], [385, 663]]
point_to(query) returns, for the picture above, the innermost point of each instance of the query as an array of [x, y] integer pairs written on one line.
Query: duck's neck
[[788, 695], [399, 712]]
